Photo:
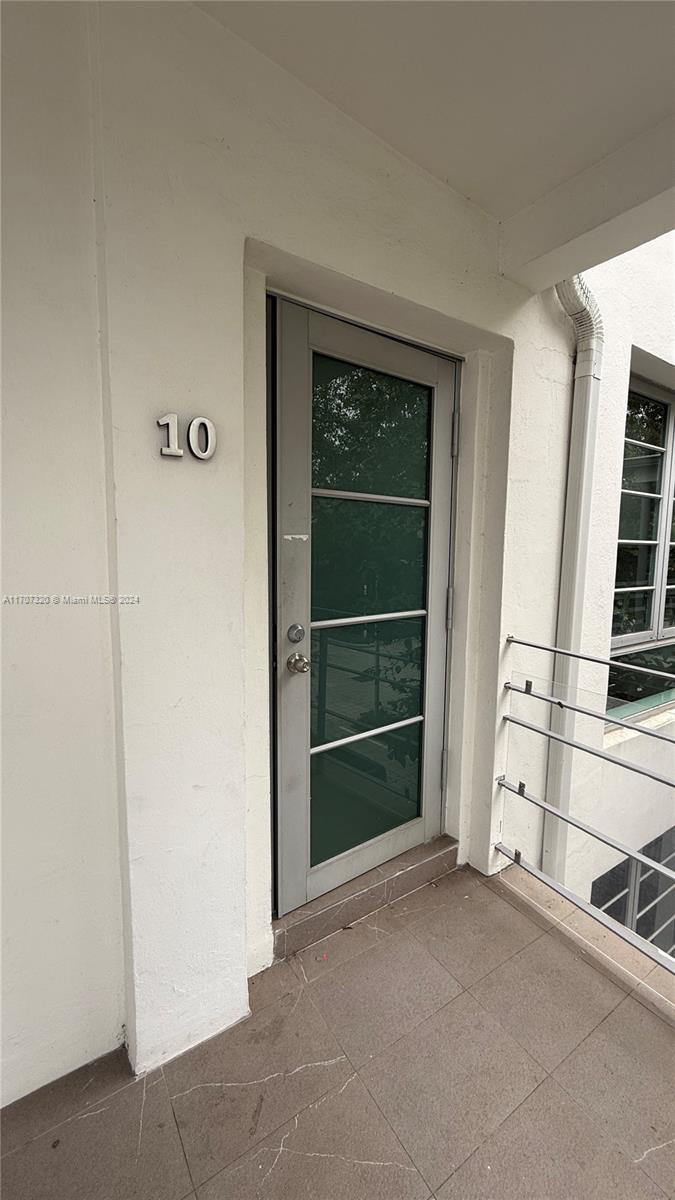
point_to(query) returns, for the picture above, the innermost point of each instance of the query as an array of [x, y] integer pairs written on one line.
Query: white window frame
[[658, 632]]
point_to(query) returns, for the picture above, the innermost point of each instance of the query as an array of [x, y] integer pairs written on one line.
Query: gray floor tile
[[548, 999], [474, 934], [340, 1148], [548, 1150], [417, 874], [538, 901], [324, 956], [624, 1076], [270, 985], [321, 924], [230, 1092], [657, 993], [125, 1148], [55, 1103], [439, 846], [431, 897], [604, 949], [448, 1084], [374, 999]]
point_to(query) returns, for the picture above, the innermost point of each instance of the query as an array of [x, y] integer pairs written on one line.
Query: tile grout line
[[81, 1112], [495, 1131], [257, 1148], [335, 909], [180, 1137], [561, 924], [603, 1133], [467, 987]]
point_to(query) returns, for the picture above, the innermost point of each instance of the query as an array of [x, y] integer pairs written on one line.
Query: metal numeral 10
[[201, 436]]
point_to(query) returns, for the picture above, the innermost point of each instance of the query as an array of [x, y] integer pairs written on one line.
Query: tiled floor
[[473, 1041]]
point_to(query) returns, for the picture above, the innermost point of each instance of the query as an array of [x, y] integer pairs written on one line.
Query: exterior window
[[643, 626], [644, 596]]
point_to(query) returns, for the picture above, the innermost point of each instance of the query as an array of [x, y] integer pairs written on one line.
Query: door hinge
[[450, 600], [444, 770], [455, 433]]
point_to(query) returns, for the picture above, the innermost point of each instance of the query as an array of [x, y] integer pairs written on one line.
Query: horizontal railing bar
[[588, 712], [368, 733], [396, 616], [616, 762], [503, 782], [653, 952], [603, 662], [667, 859], [331, 494]]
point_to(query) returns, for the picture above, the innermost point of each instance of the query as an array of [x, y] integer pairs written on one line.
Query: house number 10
[[201, 437]]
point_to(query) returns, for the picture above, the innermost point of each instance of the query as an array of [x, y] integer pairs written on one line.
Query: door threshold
[[390, 881]]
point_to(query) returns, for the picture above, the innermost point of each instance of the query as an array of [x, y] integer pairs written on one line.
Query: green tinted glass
[[641, 469], [632, 612], [646, 420], [370, 431], [367, 558], [364, 789], [639, 518], [365, 676], [669, 615], [635, 566]]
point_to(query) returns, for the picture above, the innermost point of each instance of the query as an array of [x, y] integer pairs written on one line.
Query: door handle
[[298, 664]]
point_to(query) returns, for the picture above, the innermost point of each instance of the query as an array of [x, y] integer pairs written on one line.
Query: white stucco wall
[[63, 977], [166, 173]]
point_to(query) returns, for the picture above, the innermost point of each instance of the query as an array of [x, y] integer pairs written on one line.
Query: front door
[[364, 466]]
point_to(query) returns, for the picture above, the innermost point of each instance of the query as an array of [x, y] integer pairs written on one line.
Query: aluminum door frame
[[300, 333]]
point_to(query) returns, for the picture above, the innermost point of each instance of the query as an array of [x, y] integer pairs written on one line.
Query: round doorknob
[[298, 664]]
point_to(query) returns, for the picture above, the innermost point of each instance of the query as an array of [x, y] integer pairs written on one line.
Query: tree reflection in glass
[[370, 431]]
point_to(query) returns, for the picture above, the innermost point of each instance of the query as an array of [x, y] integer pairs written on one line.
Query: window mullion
[[663, 551]]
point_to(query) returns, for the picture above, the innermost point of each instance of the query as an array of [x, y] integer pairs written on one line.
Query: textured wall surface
[[158, 164]]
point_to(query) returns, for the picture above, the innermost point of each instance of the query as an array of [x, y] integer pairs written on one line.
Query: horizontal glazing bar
[[603, 662], [648, 495], [338, 495], [397, 616], [503, 782], [642, 587], [634, 542], [616, 762], [368, 733], [634, 939], [645, 445], [658, 900], [588, 712], [661, 928], [613, 899]]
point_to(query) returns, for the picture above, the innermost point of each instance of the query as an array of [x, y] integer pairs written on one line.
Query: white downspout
[[579, 304]]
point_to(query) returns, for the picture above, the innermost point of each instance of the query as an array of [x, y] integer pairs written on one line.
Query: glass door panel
[[364, 467], [364, 789], [370, 449]]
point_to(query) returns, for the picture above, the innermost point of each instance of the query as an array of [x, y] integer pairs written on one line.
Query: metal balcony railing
[[640, 905]]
